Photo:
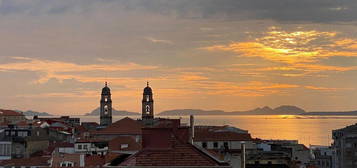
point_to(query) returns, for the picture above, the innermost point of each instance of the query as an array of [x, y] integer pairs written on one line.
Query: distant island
[[33, 113], [281, 110], [96, 112]]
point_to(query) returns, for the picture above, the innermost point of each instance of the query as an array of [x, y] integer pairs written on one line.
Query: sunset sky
[[55, 55]]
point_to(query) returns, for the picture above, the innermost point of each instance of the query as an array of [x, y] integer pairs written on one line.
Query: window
[[84, 146], [215, 144], [225, 145], [204, 144], [2, 149], [66, 164], [123, 146], [79, 146]]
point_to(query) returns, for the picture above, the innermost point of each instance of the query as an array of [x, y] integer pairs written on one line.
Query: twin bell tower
[[106, 105]]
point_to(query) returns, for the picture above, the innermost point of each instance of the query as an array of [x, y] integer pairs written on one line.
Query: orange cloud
[[60, 70], [192, 76], [253, 88], [325, 89], [292, 47]]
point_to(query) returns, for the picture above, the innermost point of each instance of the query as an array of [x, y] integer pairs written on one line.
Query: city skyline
[[56, 55]]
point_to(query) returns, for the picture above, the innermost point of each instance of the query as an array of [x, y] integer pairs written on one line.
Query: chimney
[[192, 128], [242, 147]]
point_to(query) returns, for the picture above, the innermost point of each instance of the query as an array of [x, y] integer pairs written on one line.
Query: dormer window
[[123, 146]]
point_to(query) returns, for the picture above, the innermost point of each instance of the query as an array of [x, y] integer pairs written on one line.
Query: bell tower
[[106, 107], [147, 103]]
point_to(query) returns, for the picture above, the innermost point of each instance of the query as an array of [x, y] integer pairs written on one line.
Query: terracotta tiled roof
[[94, 161], [125, 126], [33, 161], [99, 161], [9, 113], [180, 155], [6, 123], [116, 144], [110, 156], [219, 134], [80, 128]]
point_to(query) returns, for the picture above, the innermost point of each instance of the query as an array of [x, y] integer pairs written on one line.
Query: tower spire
[[106, 83], [147, 83]]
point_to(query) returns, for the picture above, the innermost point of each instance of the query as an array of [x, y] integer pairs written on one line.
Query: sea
[[308, 130]]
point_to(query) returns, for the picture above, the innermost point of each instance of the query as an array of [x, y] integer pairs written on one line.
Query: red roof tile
[[125, 126], [94, 161], [33, 161], [99, 161], [10, 113], [80, 128], [180, 155], [219, 134], [116, 144]]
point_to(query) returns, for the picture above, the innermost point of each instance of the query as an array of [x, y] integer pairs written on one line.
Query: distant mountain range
[[281, 110], [96, 112], [34, 113]]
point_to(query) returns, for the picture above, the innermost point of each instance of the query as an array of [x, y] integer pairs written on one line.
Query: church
[[147, 115]]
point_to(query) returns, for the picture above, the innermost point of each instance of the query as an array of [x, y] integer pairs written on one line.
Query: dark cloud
[[279, 10]]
